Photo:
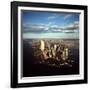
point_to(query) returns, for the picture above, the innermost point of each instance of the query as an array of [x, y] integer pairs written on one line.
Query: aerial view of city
[[50, 43]]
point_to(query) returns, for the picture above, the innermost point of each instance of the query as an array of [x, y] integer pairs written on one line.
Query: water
[[74, 35]]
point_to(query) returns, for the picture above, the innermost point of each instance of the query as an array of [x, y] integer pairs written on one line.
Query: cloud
[[33, 28], [56, 30], [50, 23], [53, 16], [50, 27], [41, 28], [54, 26], [67, 16], [74, 27]]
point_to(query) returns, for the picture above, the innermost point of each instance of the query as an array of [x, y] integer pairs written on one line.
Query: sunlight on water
[[74, 35]]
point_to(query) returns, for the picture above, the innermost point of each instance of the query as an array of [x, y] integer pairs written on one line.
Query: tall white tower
[[42, 45]]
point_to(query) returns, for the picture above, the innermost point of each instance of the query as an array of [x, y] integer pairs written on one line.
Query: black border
[[14, 43]]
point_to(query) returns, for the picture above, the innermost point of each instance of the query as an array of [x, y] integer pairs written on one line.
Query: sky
[[41, 24]]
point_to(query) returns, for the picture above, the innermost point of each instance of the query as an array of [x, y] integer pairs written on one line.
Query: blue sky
[[36, 22]]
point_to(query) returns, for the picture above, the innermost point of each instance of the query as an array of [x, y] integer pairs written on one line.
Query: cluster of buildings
[[47, 50]]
